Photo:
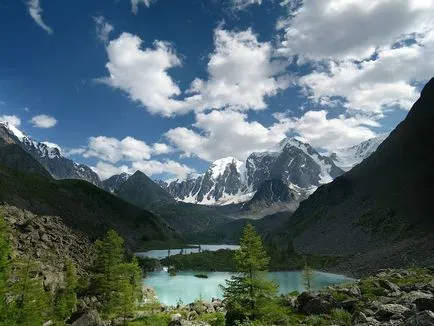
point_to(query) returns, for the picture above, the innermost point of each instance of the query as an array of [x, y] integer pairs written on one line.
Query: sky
[[168, 86]]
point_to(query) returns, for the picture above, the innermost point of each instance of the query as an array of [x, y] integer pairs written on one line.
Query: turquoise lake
[[186, 287]]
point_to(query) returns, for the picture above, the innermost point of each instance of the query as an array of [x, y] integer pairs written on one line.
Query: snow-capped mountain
[[113, 183], [347, 158], [49, 156], [227, 181]]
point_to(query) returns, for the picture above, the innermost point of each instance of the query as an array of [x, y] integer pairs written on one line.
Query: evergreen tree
[[116, 282], [249, 292], [308, 275], [65, 299], [5, 252], [30, 302]]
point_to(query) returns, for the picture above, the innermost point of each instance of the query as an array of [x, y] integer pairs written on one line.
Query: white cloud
[[225, 133], [170, 167], [242, 73], [375, 85], [135, 4], [113, 150], [43, 121], [368, 55], [161, 148], [243, 4], [12, 119], [229, 133], [142, 73], [315, 128], [150, 168], [106, 170], [351, 29], [35, 12], [103, 29]]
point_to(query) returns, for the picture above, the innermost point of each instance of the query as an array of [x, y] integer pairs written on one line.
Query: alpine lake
[[186, 287]]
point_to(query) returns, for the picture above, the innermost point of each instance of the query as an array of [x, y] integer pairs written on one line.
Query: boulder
[[424, 304], [385, 284], [410, 297], [388, 310], [90, 318], [424, 318], [176, 320]]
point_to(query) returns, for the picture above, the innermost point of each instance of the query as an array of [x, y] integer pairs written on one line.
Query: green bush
[[341, 317]]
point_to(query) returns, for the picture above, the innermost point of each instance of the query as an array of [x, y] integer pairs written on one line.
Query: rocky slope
[[113, 183], [383, 206], [48, 241], [82, 207], [49, 157]]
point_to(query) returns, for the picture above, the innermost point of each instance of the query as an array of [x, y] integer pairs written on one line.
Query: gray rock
[[355, 290], [176, 320], [388, 310], [90, 318], [385, 284], [424, 304], [424, 318], [409, 298]]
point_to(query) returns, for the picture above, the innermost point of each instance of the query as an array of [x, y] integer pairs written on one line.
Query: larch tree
[[248, 292]]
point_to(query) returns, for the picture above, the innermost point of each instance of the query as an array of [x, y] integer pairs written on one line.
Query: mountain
[[82, 206], [143, 192], [183, 217], [381, 211], [113, 183], [229, 181], [14, 157], [272, 196], [48, 156], [347, 158]]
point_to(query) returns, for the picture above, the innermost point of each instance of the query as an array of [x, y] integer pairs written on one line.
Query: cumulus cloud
[[43, 121], [315, 128], [113, 150], [229, 133], [35, 11], [351, 29], [12, 119], [368, 56], [374, 85], [142, 73], [174, 169], [242, 72], [102, 28], [225, 133], [129, 155], [106, 170]]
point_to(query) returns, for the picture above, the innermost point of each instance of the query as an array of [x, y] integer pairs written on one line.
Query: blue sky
[[169, 86]]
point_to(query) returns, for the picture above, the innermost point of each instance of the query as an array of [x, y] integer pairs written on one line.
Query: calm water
[[158, 254], [188, 288]]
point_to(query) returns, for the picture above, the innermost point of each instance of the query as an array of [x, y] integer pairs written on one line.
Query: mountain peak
[[13, 130], [218, 167]]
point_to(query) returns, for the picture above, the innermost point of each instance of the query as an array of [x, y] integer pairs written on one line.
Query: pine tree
[[249, 291], [30, 302], [308, 275], [65, 299], [116, 282], [5, 252]]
